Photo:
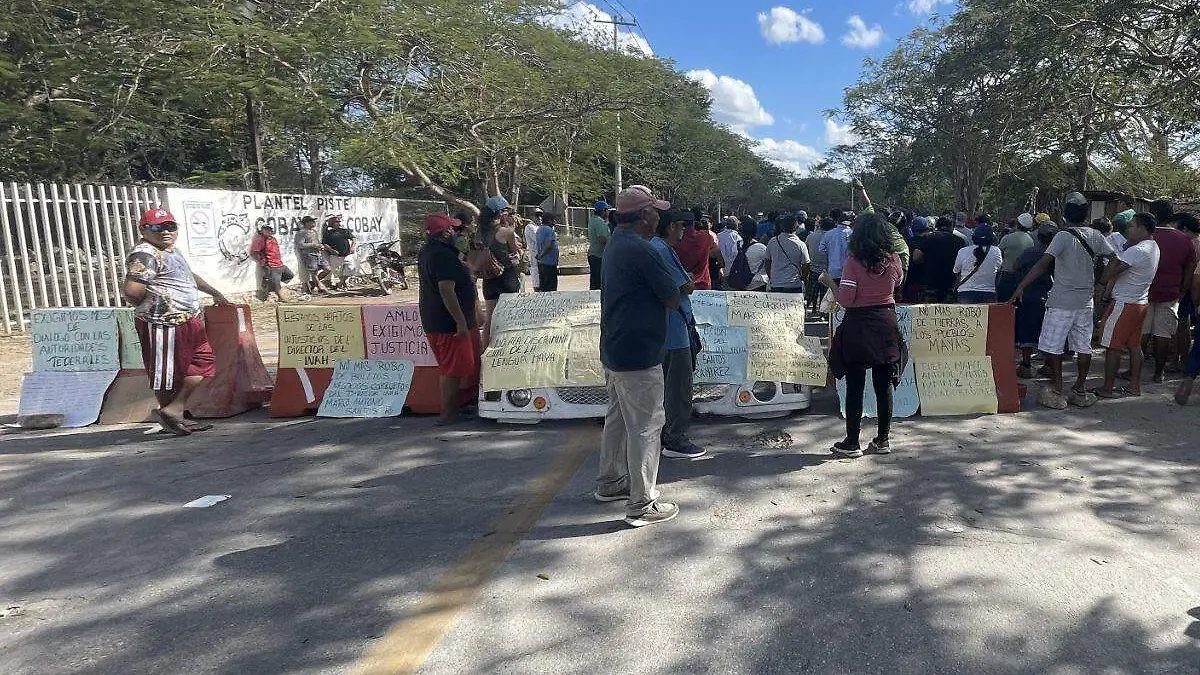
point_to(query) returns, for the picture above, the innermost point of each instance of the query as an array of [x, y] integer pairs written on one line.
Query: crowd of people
[[1124, 283], [321, 255]]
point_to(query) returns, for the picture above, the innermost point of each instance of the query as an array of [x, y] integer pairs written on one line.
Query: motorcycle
[[389, 267]]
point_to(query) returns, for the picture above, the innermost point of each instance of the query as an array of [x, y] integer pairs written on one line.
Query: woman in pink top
[[869, 335]]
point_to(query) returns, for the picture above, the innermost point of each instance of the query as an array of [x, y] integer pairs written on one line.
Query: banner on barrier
[[216, 227], [315, 336], [366, 388], [526, 359], [518, 311], [394, 332], [962, 386], [949, 331], [75, 339]]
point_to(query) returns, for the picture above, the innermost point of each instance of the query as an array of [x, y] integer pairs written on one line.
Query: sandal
[[1126, 391], [194, 426], [1099, 392], [171, 423]]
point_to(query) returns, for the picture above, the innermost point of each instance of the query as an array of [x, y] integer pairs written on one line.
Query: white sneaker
[[659, 512]]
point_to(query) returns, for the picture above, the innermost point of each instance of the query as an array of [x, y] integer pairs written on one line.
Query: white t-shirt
[[730, 242], [756, 255], [788, 256], [983, 281], [1133, 286]]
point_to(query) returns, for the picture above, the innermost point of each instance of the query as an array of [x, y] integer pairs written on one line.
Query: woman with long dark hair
[[868, 338], [977, 267]]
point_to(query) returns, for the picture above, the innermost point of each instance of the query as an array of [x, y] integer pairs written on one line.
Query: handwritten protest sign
[[315, 337], [131, 344], [75, 339], [767, 309], [960, 386], [949, 331], [525, 359], [710, 308], [394, 332], [723, 359], [367, 388], [520, 311], [78, 395], [798, 360], [583, 358]]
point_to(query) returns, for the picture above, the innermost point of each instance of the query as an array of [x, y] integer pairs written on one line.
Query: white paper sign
[[75, 339], [363, 388], [78, 395]]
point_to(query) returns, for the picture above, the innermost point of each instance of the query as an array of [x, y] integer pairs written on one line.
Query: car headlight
[[764, 391], [519, 397]]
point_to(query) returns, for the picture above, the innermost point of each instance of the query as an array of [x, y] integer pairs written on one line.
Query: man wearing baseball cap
[[598, 234], [637, 292], [448, 304], [166, 295], [264, 250]]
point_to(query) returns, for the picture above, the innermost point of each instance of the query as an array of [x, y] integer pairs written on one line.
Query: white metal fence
[[65, 245]]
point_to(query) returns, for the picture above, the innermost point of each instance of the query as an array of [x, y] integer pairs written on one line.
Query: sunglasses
[[163, 227]]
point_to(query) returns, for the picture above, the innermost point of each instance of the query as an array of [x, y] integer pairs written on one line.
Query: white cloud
[[837, 134], [734, 102], [581, 18], [923, 7], [791, 155], [860, 36], [784, 24]]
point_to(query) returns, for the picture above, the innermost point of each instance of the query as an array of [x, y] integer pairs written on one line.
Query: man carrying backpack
[[1068, 322]]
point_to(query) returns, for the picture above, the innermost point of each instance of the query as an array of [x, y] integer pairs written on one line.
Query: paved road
[[1031, 543]]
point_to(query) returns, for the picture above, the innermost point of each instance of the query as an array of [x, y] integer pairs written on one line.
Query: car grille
[[599, 395], [583, 395], [709, 392]]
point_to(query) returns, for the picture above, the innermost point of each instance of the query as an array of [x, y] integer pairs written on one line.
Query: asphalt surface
[[1042, 542]]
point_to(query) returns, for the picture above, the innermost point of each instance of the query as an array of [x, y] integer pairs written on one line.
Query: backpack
[[740, 274]]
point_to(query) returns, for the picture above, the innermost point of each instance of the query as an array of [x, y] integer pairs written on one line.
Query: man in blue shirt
[[547, 254], [637, 294], [678, 365], [766, 227], [836, 245]]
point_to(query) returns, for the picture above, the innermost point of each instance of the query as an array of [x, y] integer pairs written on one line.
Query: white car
[[751, 400]]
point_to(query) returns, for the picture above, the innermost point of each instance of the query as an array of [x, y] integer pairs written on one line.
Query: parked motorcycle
[[389, 266]]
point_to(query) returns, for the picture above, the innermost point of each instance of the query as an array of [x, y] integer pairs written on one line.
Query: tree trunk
[[1081, 164]]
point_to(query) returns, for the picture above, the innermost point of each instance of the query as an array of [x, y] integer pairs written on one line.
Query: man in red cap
[[166, 293], [636, 293], [449, 306]]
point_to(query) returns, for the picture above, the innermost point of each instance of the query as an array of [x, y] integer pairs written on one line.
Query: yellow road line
[[409, 642]]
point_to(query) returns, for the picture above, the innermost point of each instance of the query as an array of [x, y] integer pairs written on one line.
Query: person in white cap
[[1012, 245], [637, 292]]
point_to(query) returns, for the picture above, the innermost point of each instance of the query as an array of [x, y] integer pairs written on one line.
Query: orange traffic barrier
[[241, 382], [298, 391], [1001, 347]]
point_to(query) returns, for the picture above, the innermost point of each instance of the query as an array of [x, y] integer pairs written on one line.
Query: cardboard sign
[[710, 308], [366, 388], [584, 368], [78, 395], [75, 339], [767, 309], [962, 386], [394, 332], [526, 359], [775, 357], [724, 357], [520, 311], [949, 331], [316, 337]]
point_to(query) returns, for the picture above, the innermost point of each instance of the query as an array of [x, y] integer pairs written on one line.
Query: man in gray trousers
[[637, 294]]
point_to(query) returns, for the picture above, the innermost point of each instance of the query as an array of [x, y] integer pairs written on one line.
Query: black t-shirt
[[635, 284], [438, 261], [940, 249], [339, 238]]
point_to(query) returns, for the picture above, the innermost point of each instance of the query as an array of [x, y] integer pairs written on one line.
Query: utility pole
[[617, 22]]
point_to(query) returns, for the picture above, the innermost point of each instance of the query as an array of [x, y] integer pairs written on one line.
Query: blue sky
[[772, 68]]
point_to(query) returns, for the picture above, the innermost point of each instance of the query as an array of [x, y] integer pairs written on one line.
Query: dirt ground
[[16, 355]]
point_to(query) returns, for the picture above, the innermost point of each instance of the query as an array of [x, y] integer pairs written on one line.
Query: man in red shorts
[[175, 348], [1127, 281], [448, 305]]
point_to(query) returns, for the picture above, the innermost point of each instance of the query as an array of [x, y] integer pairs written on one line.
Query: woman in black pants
[[869, 336]]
